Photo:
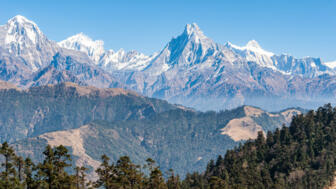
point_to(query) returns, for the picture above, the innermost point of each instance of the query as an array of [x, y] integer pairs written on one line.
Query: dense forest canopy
[[299, 156]]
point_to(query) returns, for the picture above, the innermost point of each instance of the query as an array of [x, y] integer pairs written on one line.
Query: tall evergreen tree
[[173, 182], [107, 174], [52, 172], [8, 178], [156, 179], [80, 177], [28, 170]]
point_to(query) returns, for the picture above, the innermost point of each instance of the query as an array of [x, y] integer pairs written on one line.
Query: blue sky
[[300, 28]]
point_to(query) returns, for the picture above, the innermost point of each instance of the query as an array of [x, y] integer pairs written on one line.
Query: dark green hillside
[[28, 113], [92, 121], [180, 139], [299, 156]]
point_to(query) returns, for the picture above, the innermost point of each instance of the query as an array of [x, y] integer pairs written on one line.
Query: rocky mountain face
[[195, 71], [108, 60], [70, 69], [29, 58], [21, 37], [191, 69]]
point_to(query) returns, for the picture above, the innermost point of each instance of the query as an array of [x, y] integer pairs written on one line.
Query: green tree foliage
[[107, 174], [51, 172], [173, 182], [80, 177], [29, 168], [155, 177], [299, 156], [9, 178]]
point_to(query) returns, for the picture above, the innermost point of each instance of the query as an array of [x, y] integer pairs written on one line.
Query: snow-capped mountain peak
[[82, 39], [252, 51], [83, 43], [331, 65], [20, 19], [109, 59], [195, 37], [193, 28], [22, 37], [190, 67], [21, 30], [194, 33], [253, 44]]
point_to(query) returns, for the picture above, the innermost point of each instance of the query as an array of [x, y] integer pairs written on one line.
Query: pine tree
[[9, 176], [217, 183], [106, 174], [28, 169], [156, 179], [80, 177], [129, 174], [52, 170], [19, 164], [173, 181]]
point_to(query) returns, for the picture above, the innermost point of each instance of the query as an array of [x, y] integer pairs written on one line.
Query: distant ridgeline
[[299, 156]]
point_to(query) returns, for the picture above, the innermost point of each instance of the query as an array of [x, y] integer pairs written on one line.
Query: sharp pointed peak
[[193, 28]]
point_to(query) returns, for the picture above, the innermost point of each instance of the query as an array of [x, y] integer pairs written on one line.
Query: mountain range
[[191, 69]]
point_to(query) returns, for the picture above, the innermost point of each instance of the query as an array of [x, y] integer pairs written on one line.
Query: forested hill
[[37, 110], [300, 156], [122, 122], [177, 139]]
